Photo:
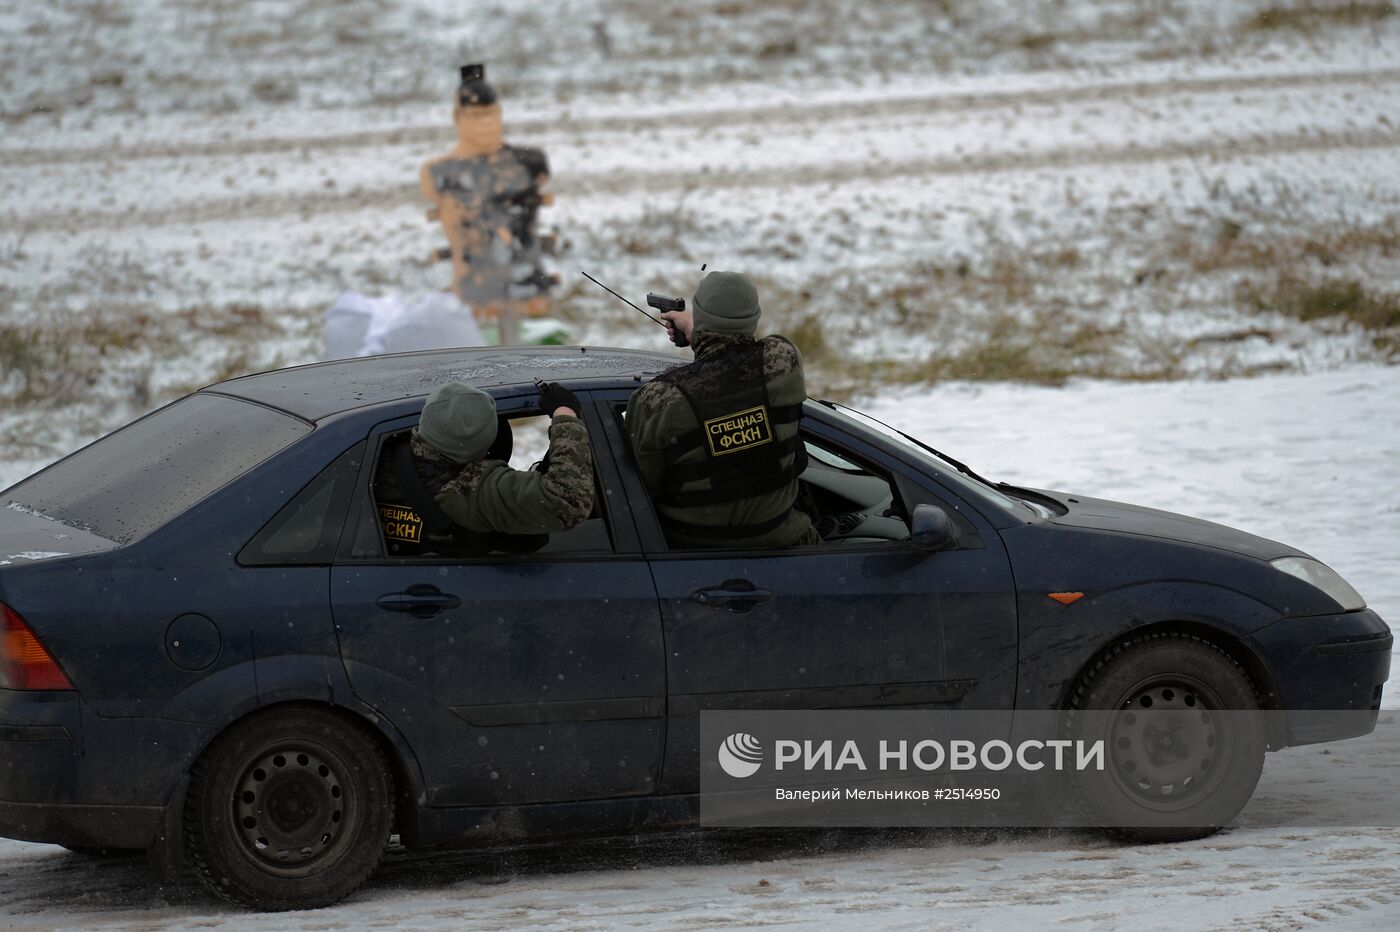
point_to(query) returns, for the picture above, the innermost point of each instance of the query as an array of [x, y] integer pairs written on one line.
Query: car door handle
[[420, 601], [732, 599]]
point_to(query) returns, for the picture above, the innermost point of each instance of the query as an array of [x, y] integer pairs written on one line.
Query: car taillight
[[24, 662]]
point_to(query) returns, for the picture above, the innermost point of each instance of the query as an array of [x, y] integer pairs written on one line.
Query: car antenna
[[659, 301], [595, 281]]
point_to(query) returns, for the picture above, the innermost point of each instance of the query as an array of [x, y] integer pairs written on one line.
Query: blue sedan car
[[209, 653]]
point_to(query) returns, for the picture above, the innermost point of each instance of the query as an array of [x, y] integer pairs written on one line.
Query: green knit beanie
[[459, 422], [726, 302]]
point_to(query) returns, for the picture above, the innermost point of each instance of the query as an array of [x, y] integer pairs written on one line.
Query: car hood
[[1104, 515]]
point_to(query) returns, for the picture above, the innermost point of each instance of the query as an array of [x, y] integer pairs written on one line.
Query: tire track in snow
[[436, 134], [211, 210]]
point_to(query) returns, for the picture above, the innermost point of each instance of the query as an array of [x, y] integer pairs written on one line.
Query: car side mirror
[[934, 530]]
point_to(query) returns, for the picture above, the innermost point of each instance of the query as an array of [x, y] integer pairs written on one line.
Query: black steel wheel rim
[[291, 808], [1168, 743]]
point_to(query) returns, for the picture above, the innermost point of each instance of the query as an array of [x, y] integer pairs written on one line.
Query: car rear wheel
[[289, 809], [1183, 737]]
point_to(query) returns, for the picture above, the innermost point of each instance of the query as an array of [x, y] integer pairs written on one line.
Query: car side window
[[307, 529], [391, 528], [850, 502]]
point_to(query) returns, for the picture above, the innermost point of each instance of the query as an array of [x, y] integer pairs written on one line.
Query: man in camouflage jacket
[[717, 440], [490, 505]]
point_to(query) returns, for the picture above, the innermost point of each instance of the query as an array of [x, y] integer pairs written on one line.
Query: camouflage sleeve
[[570, 476], [514, 501], [780, 356]]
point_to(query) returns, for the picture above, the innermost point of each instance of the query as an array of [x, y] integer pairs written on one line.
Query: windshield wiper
[[960, 467]]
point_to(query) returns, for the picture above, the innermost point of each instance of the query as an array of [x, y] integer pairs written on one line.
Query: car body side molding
[[568, 710]]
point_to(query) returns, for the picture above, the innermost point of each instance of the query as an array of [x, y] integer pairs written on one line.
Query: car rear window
[[134, 480]]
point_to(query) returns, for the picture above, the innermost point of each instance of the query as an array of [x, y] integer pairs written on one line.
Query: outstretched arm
[[513, 501]]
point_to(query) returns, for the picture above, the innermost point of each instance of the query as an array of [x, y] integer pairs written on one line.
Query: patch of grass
[[1307, 17], [1043, 346], [67, 358], [781, 48], [1040, 312], [996, 360], [1066, 257], [274, 90], [102, 13], [656, 232], [1267, 264], [52, 362], [1037, 41], [1339, 297], [12, 252], [1225, 244], [991, 359], [807, 334]]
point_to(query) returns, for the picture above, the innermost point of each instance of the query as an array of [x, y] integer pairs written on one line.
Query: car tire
[[1173, 769], [289, 809]]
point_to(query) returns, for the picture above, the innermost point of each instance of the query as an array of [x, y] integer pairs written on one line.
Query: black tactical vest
[[414, 524], [737, 433]]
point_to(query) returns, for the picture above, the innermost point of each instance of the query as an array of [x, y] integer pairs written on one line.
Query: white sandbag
[[357, 325], [347, 322], [436, 320]]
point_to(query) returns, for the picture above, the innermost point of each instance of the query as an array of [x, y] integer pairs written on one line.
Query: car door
[[838, 626], [515, 678]]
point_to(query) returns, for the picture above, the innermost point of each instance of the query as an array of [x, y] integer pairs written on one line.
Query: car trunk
[[26, 536]]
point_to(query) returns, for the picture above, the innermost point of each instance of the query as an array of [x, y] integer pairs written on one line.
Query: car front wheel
[[289, 809], [1183, 738]]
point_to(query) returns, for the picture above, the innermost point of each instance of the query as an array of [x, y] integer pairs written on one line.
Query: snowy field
[[1145, 250], [924, 191]]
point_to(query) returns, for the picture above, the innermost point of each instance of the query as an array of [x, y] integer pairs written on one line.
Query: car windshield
[[132, 481], [956, 473]]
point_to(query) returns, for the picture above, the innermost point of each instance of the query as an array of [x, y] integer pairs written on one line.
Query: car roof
[[322, 389]]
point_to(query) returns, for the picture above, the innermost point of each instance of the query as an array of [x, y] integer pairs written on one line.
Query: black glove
[[554, 396]]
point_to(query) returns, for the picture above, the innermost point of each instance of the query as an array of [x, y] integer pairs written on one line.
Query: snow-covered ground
[[1243, 879]]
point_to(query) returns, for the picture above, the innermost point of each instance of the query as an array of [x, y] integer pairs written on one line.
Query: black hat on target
[[475, 92]]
